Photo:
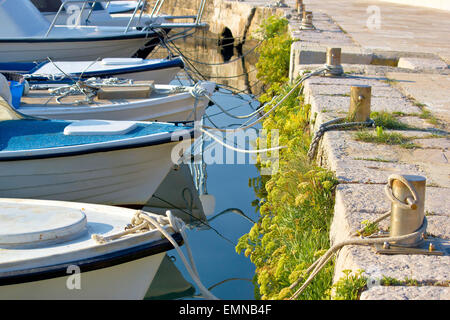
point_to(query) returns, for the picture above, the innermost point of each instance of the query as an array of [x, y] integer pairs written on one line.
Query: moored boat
[[111, 99], [67, 250], [162, 71], [94, 161], [25, 35]]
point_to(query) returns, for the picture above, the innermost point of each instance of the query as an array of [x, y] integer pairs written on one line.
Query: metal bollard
[[407, 206], [407, 195], [360, 100], [307, 21]]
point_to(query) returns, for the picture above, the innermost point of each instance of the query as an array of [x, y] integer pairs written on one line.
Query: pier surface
[[402, 52]]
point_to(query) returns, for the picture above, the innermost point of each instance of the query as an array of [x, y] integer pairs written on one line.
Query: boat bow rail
[[140, 6]]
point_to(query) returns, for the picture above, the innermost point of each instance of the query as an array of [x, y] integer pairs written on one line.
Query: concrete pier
[[404, 60]]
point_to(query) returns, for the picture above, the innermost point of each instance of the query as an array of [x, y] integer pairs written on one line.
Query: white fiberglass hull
[[118, 177], [165, 109], [129, 280], [40, 50]]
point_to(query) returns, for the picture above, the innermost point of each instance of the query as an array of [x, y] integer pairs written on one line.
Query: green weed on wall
[[296, 202]]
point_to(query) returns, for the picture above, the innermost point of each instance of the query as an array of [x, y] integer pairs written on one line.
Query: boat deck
[[42, 98], [48, 134]]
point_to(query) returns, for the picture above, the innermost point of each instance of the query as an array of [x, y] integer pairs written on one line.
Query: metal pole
[[200, 11], [132, 17]]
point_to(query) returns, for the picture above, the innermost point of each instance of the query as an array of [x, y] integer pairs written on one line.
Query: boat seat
[[99, 127], [122, 61]]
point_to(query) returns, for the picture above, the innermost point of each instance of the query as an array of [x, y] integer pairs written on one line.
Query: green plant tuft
[[350, 286]]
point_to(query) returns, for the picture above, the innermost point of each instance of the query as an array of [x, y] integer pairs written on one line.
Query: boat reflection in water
[[169, 283]]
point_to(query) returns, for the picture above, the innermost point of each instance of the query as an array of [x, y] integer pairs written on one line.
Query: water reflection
[[227, 274], [218, 58], [169, 283]]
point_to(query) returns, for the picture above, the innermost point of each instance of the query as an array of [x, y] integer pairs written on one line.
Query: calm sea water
[[219, 266]]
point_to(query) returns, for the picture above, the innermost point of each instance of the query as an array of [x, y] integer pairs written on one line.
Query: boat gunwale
[[90, 264], [47, 153], [165, 64], [125, 36]]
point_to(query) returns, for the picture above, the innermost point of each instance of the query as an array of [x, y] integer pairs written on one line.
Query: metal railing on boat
[[140, 5]]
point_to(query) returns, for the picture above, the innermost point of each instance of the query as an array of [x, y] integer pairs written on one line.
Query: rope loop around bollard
[[390, 195], [335, 124]]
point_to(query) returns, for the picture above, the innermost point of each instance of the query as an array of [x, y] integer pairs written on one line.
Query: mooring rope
[[305, 77], [143, 221], [322, 261], [335, 124]]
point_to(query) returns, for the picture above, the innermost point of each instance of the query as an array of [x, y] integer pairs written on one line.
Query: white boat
[[98, 14], [67, 250], [162, 71], [77, 23], [121, 7], [167, 103], [107, 13], [25, 35], [94, 161]]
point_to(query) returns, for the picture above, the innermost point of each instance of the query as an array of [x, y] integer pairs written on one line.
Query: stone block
[[406, 293], [316, 53], [420, 64]]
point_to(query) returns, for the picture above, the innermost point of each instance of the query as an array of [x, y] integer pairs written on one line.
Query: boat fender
[[208, 203], [26, 88], [5, 93]]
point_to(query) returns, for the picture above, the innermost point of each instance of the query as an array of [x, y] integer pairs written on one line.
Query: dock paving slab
[[414, 49], [406, 293], [362, 170]]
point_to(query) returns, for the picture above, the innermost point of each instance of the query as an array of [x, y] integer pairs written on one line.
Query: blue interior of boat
[[23, 67], [30, 67], [20, 135]]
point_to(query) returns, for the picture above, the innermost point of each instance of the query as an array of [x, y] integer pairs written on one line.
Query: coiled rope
[[143, 221]]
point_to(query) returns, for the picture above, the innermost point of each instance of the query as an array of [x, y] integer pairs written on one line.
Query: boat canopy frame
[[140, 6]]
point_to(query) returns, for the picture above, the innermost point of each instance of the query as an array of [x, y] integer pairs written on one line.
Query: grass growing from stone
[[426, 114], [388, 120], [373, 159], [350, 286], [382, 137], [296, 202]]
